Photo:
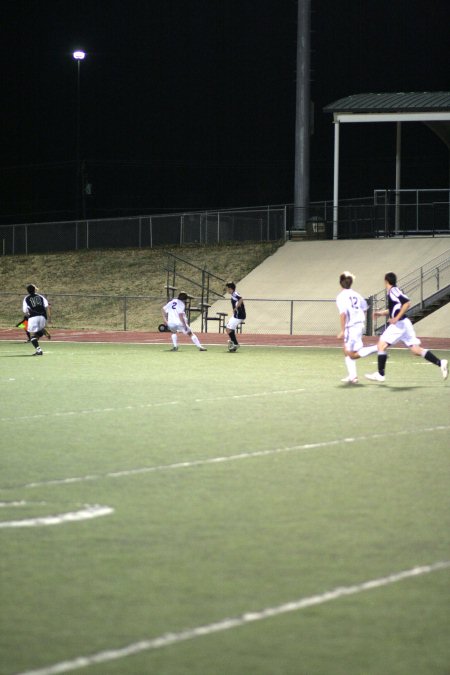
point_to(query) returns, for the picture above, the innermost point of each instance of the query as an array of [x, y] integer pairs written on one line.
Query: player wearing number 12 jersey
[[352, 309]]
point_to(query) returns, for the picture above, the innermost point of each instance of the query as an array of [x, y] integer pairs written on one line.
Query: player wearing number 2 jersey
[[352, 309], [174, 313], [399, 329]]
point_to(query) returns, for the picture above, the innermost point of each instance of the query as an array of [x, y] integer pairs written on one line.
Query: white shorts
[[179, 328], [401, 331], [353, 337], [36, 323], [233, 323]]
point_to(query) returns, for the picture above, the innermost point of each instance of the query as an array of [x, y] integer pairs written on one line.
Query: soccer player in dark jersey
[[400, 329], [36, 308], [239, 315]]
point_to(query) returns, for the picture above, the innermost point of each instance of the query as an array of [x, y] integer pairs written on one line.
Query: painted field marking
[[256, 395], [90, 411], [10, 504], [235, 622], [232, 458], [142, 406], [87, 513]]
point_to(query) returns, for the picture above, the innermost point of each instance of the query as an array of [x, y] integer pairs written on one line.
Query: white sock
[[195, 340], [351, 367], [365, 351], [174, 339]]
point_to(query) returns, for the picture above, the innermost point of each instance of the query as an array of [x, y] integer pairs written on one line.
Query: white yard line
[[87, 513], [239, 396], [8, 505], [142, 406], [88, 411], [235, 622], [233, 458]]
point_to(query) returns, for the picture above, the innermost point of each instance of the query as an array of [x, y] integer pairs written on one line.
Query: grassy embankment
[[95, 283]]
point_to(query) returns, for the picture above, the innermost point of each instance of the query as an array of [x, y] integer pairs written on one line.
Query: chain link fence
[[205, 227], [285, 317], [386, 213], [143, 313]]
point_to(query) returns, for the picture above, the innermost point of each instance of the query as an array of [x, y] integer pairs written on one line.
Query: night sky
[[191, 103]]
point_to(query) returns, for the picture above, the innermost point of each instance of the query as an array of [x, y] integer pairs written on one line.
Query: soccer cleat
[[202, 349], [38, 352], [233, 347], [444, 368], [350, 380], [375, 377], [174, 349], [230, 345]]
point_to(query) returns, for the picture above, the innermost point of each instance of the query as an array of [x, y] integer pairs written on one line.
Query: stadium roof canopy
[[398, 103], [431, 108]]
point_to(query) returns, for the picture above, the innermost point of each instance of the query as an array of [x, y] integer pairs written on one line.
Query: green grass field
[[236, 484]]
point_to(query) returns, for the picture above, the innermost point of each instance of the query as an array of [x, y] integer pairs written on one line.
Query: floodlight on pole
[[79, 55]]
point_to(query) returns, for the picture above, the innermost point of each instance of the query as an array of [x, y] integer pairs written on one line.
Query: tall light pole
[[302, 121], [79, 56]]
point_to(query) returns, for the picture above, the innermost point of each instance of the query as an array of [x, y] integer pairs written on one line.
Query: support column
[[398, 168], [336, 180], [302, 122]]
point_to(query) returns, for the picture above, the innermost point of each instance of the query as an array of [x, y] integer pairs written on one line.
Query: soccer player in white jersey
[[174, 314], [352, 314], [400, 329]]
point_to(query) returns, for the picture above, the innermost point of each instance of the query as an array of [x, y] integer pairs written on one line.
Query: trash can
[[315, 228]]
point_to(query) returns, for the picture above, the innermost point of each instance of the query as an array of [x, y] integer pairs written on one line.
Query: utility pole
[[302, 118]]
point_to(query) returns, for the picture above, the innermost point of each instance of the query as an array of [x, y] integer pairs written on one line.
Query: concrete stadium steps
[[309, 270], [436, 324]]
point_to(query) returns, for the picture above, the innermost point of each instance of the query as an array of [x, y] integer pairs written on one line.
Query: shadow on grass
[[395, 389], [391, 388]]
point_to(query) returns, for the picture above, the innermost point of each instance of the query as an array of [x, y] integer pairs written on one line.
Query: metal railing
[[387, 213], [419, 284], [267, 223], [284, 316], [200, 278], [413, 210], [384, 214], [143, 313]]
